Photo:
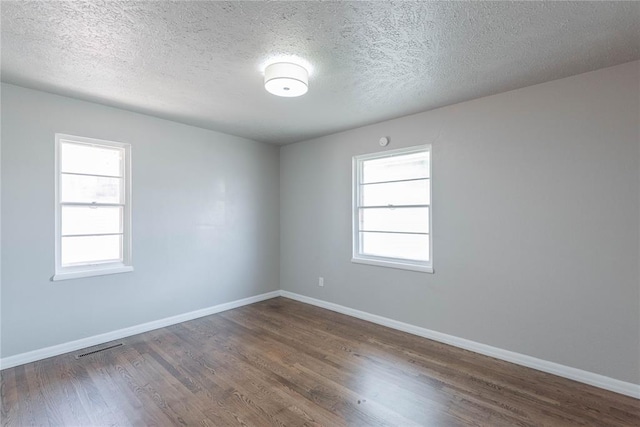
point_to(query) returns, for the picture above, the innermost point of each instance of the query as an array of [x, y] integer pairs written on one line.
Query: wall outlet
[[320, 281]]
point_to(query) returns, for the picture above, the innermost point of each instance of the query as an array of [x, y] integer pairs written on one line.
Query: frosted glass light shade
[[286, 79]]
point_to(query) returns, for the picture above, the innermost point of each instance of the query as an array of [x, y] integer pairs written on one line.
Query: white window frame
[[100, 268], [400, 263]]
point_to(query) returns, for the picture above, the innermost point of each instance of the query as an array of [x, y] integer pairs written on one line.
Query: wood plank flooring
[[284, 363]]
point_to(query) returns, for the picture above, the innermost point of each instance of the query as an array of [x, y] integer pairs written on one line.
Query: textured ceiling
[[200, 62]]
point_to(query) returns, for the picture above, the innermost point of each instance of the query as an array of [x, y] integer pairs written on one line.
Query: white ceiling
[[200, 62]]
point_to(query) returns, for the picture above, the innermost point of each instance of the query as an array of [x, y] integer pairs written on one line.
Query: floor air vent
[[89, 353]]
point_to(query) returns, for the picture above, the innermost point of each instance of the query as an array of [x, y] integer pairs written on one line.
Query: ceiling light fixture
[[286, 79]]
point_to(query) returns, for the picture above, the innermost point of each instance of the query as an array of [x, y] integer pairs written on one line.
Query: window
[[93, 207], [392, 209]]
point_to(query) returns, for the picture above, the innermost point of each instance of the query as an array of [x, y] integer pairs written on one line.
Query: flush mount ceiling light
[[286, 79]]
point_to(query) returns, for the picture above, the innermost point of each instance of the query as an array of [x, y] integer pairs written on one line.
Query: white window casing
[[392, 209], [93, 207]]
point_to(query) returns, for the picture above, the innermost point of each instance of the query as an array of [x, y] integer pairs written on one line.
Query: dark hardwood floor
[[284, 363]]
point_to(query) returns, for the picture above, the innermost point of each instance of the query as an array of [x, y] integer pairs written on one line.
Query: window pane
[[89, 189], [396, 193], [84, 250], [413, 247], [91, 220], [408, 166], [415, 220], [89, 159]]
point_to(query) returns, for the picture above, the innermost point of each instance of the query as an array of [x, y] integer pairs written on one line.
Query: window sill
[[391, 264], [90, 273]]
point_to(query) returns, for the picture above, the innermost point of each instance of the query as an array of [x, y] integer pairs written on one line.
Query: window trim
[[99, 268], [399, 263]]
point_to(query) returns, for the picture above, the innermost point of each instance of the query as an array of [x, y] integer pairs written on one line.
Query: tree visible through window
[[392, 209]]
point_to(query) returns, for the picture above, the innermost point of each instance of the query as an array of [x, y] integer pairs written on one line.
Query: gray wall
[[536, 222], [205, 222]]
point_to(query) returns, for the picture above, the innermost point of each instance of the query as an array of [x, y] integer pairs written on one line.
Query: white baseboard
[[597, 380], [55, 350]]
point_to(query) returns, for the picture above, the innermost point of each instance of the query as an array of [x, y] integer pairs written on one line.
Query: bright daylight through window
[[392, 209], [93, 207]]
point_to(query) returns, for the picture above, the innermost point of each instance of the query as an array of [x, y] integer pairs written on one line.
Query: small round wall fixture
[[384, 141], [286, 79]]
